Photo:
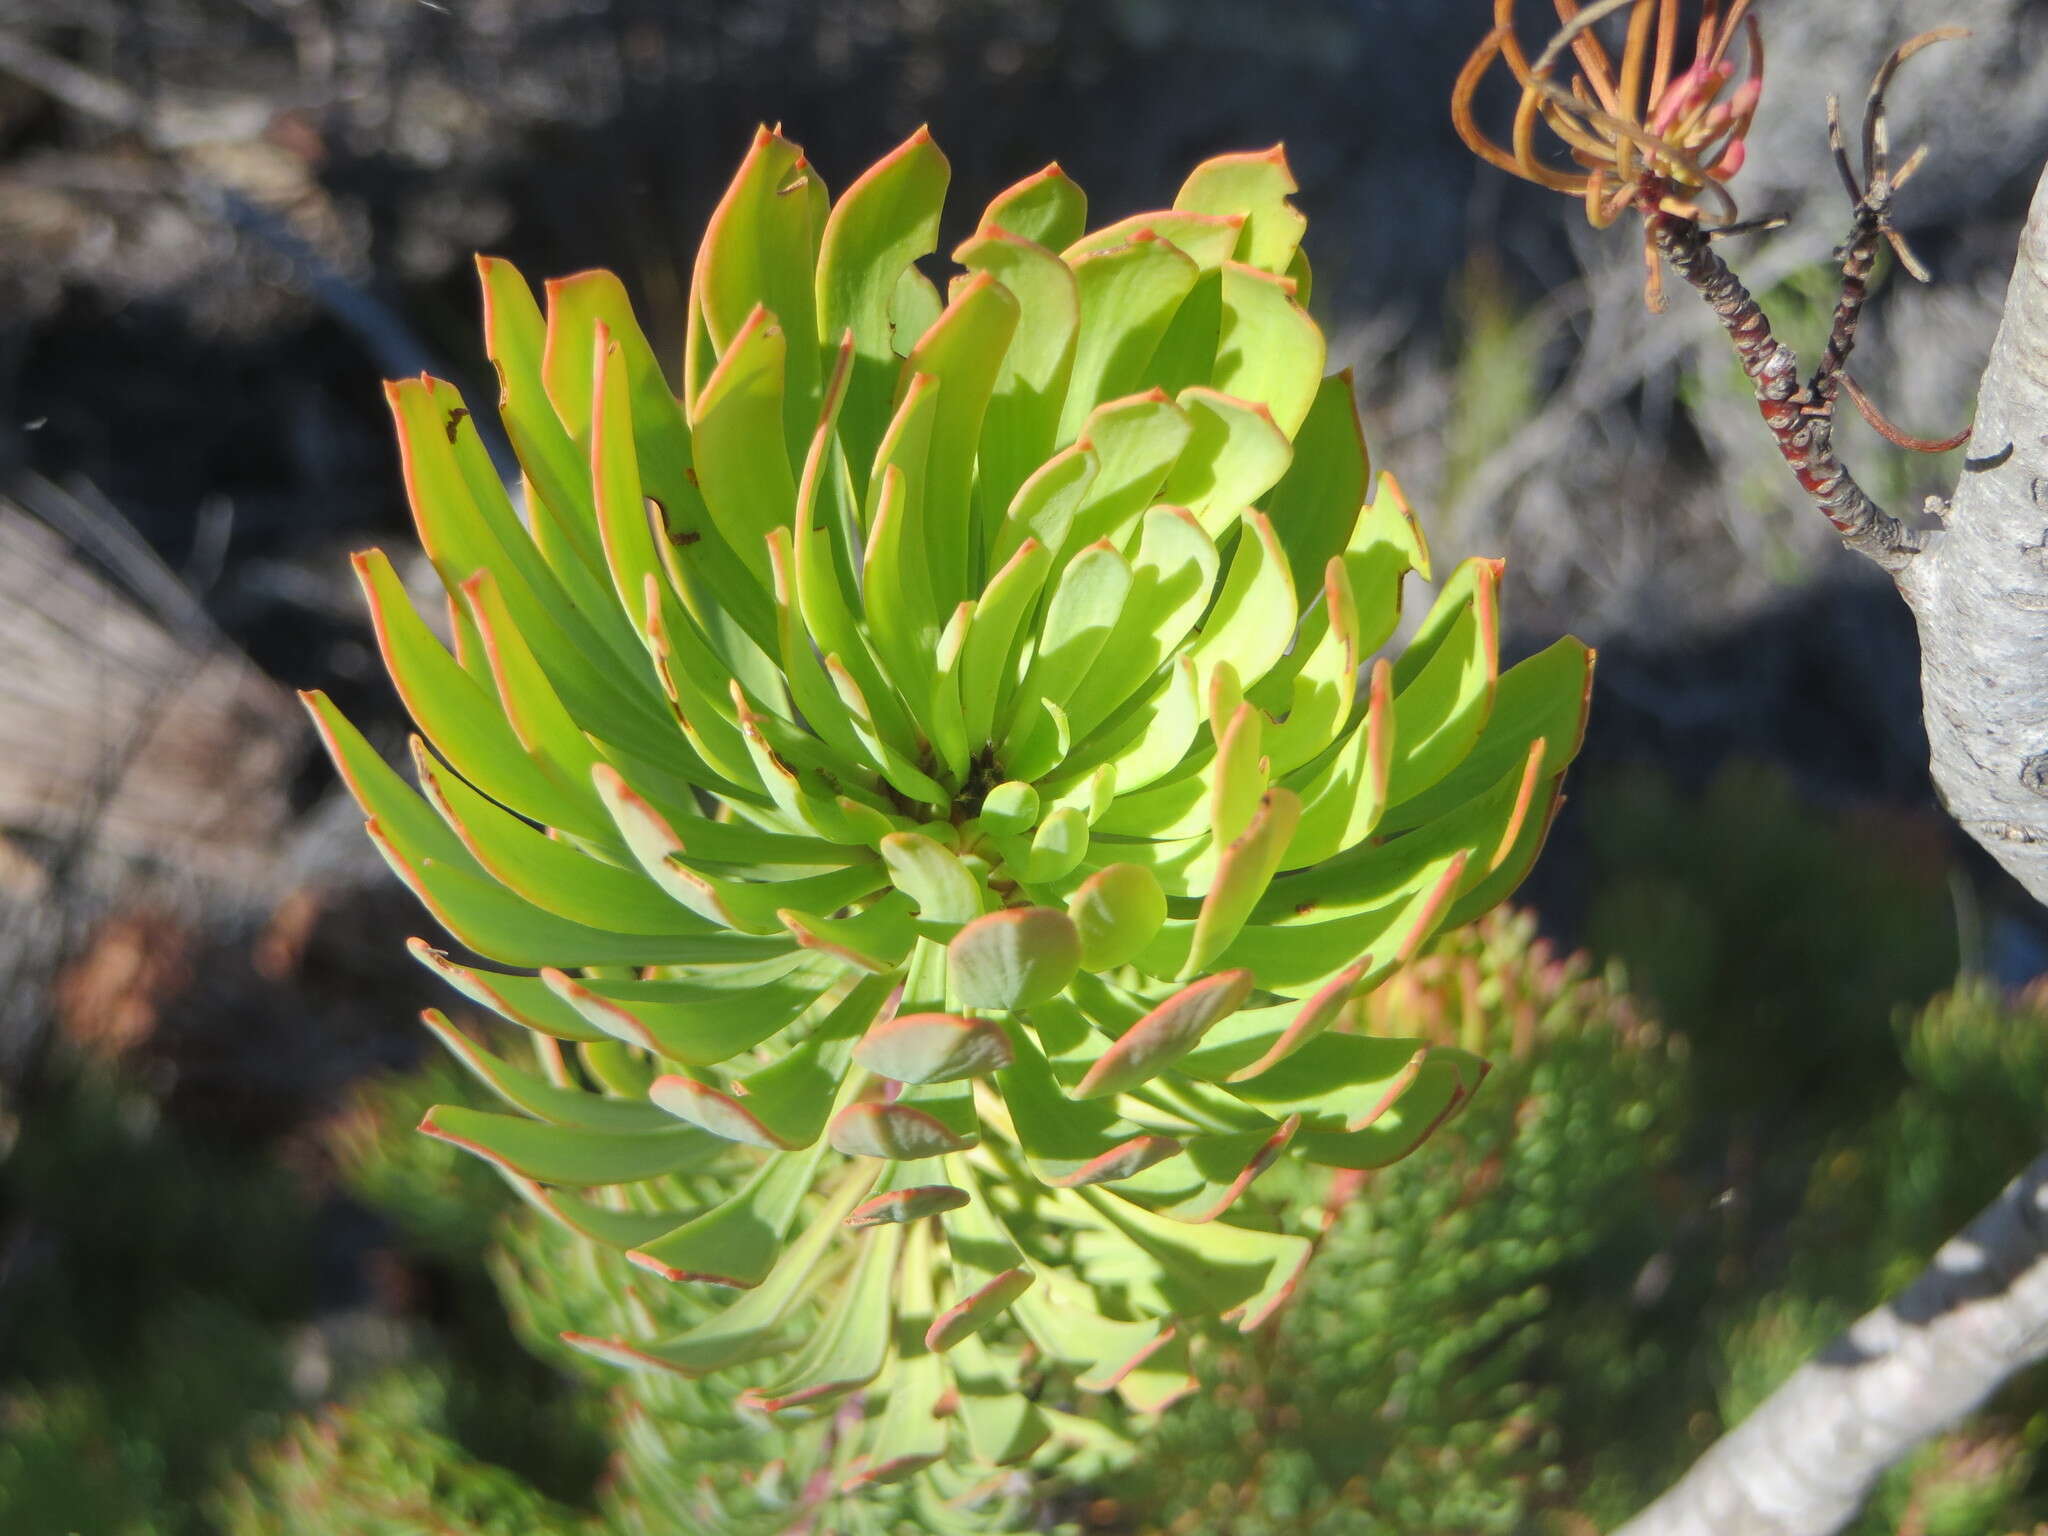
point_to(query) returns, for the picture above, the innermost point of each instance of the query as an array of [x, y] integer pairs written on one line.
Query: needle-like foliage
[[918, 777]]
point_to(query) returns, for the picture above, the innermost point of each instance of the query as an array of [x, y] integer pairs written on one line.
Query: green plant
[[924, 766], [1464, 1330], [384, 1466], [143, 1336]]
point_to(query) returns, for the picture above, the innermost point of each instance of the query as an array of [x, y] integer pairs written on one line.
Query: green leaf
[[786, 1103], [933, 877], [467, 524], [463, 721], [379, 790], [979, 1307], [903, 1200], [1127, 294], [1234, 456], [989, 1272], [1244, 870], [911, 1435], [1045, 207], [1256, 184], [1344, 795], [1044, 505], [883, 222], [1444, 1081], [600, 1223], [557, 1154], [1083, 613], [1546, 696], [894, 1132], [536, 1095], [501, 926], [546, 871], [851, 1342], [1443, 706], [1217, 1169], [1216, 1269], [748, 906], [1011, 807], [963, 351], [1173, 578], [933, 1048], [1023, 418], [1335, 1081], [737, 1242], [1116, 912], [985, 664], [897, 595], [1067, 1142], [752, 1325], [877, 938], [1321, 693], [1510, 864], [945, 722], [742, 461], [1269, 350], [693, 1022], [1014, 958], [1164, 1035], [1059, 1316], [1135, 441], [515, 337], [761, 248], [1253, 1039], [1153, 739], [1205, 239], [1293, 955], [525, 1000], [1057, 847], [1004, 1428], [1316, 504], [913, 307], [1256, 611]]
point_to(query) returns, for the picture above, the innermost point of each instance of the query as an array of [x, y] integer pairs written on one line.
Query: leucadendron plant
[[942, 790]]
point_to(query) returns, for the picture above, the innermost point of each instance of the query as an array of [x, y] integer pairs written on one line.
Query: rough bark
[[1803, 1462], [1979, 593]]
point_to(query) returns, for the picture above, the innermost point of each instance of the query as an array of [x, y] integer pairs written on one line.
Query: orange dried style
[[1662, 144]]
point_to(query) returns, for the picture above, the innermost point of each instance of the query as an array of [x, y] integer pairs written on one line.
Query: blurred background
[[1803, 1041]]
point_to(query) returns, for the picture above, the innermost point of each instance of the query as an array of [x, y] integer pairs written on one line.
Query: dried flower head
[[1646, 133]]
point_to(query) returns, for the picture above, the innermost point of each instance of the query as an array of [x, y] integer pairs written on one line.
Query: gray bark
[[1979, 593], [1804, 1461]]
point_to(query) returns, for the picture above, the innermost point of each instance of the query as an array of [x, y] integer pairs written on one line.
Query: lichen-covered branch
[[1979, 594], [1803, 1462]]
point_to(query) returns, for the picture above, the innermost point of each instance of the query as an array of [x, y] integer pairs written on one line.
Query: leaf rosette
[[941, 788]]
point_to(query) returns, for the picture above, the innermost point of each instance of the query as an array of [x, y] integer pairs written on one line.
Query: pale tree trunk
[[1803, 1462]]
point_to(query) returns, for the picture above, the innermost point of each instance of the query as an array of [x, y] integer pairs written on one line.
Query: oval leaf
[[1015, 958], [933, 1048]]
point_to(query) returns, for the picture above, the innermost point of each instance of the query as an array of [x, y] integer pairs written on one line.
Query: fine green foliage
[[384, 1466], [1457, 1334], [142, 1331], [1775, 938], [918, 770], [1882, 1198]]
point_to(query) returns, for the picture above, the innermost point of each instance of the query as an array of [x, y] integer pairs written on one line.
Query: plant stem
[[1801, 417]]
